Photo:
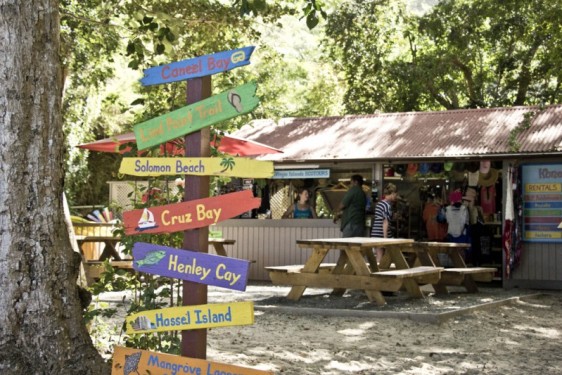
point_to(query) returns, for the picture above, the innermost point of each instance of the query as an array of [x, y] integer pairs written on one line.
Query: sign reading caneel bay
[[220, 166], [192, 214], [193, 266], [196, 116], [197, 67], [145, 362], [191, 317]]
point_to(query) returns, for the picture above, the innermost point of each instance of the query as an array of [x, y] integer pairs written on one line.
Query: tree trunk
[[41, 325]]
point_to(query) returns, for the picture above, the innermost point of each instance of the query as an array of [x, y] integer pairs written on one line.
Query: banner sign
[[301, 173], [136, 361], [191, 317], [192, 214], [197, 67], [228, 166], [192, 266], [542, 202], [196, 116]]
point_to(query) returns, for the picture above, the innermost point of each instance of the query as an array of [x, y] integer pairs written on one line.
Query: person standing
[[383, 215], [352, 209], [301, 209]]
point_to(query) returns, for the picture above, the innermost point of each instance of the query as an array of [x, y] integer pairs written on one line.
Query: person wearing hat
[[352, 209], [383, 214]]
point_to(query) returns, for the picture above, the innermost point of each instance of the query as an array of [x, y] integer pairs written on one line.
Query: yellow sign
[[543, 188], [192, 317], [220, 166], [543, 235], [130, 360]]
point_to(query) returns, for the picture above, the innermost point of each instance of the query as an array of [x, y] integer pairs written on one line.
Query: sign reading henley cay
[[191, 317], [135, 361], [196, 116], [542, 202], [192, 266], [197, 67], [221, 166], [192, 214]]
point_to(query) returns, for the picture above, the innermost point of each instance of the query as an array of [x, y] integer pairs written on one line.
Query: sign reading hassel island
[[192, 214], [221, 166], [138, 361], [191, 317], [193, 266], [197, 67], [196, 116]]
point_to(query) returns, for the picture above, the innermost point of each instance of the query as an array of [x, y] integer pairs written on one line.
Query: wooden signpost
[[222, 166], [193, 266], [193, 117], [197, 67], [136, 361], [192, 214], [191, 317]]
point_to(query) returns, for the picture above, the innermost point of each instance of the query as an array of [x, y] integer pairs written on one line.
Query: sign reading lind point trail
[[193, 266], [192, 214], [197, 67], [222, 166], [196, 116], [145, 362], [191, 317]]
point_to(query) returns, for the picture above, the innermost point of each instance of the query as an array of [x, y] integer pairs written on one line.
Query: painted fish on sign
[[197, 67], [191, 317], [228, 166], [196, 116], [193, 266], [192, 214], [136, 361]]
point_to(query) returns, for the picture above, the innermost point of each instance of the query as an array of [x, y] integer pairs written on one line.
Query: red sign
[[189, 215]]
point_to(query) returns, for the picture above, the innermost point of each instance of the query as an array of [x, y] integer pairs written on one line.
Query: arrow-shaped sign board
[[228, 166], [192, 266], [192, 214], [196, 116], [191, 317], [139, 361], [197, 67]]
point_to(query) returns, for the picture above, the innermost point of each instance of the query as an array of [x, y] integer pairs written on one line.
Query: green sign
[[196, 116]]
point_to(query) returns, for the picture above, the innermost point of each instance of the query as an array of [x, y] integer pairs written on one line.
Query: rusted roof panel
[[412, 135]]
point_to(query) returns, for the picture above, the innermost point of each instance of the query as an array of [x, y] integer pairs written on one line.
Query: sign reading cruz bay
[[196, 116], [219, 166]]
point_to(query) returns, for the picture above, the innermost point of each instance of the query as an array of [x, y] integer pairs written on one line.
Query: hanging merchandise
[[507, 237]]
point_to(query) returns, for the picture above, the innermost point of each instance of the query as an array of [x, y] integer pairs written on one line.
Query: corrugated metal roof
[[411, 135]]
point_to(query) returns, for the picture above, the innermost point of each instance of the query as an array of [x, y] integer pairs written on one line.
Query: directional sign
[[138, 361], [193, 266], [197, 67], [189, 215], [196, 116], [222, 166], [191, 317]]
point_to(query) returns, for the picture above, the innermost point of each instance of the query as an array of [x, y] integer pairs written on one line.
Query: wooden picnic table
[[109, 250], [218, 245], [356, 268]]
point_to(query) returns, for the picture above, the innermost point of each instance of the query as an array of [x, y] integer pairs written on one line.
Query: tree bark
[[41, 325]]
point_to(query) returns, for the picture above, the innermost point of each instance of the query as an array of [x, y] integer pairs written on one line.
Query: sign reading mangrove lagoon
[[191, 317], [192, 214], [542, 202], [135, 361], [192, 266], [228, 166], [196, 116], [197, 67]]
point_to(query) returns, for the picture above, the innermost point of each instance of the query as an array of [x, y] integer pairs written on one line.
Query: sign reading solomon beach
[[192, 214], [196, 116], [191, 317], [145, 362], [193, 266], [197, 67], [221, 166]]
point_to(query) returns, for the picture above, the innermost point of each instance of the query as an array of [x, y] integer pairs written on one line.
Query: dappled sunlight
[[549, 333]]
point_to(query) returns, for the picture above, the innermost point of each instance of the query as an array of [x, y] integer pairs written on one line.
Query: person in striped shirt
[[383, 215]]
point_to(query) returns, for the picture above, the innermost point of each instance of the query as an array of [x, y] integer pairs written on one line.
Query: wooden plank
[[411, 272], [331, 281], [191, 317]]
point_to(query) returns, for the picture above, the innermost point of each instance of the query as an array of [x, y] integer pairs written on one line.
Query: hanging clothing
[[436, 231], [457, 219], [488, 199]]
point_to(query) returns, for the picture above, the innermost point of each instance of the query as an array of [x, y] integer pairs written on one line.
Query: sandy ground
[[492, 332]]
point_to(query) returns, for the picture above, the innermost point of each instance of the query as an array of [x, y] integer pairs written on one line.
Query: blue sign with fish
[[197, 67], [189, 265]]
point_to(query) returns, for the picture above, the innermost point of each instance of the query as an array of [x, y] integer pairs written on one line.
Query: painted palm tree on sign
[[228, 163]]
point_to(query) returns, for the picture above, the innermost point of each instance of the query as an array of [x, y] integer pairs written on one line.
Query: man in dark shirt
[[352, 209]]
